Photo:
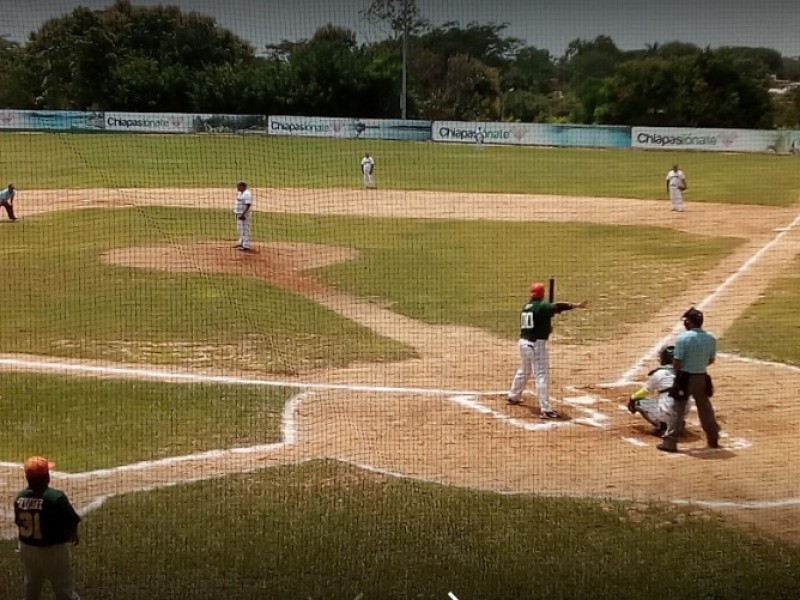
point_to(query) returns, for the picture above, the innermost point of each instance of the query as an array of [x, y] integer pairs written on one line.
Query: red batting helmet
[[537, 291]]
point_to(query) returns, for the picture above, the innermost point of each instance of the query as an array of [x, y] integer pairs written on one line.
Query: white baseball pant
[[368, 182], [243, 230], [47, 563], [676, 198], [534, 359]]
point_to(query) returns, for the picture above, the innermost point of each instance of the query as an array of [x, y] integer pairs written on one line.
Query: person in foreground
[[47, 524], [534, 358], [695, 350]]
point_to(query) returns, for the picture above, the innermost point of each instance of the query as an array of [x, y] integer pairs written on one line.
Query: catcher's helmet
[[537, 291], [692, 318], [666, 355]]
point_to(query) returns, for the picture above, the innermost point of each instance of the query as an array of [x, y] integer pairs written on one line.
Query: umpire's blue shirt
[[695, 349]]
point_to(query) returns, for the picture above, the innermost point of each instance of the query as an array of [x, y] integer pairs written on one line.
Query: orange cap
[[37, 467]]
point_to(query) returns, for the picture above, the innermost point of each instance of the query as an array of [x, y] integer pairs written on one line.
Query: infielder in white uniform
[[367, 169], [653, 400], [676, 184], [242, 209]]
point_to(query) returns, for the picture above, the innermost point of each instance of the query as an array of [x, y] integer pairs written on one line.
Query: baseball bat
[[552, 294]]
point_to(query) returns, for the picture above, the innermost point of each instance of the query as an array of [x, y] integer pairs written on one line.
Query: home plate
[[781, 229], [635, 442], [581, 400]]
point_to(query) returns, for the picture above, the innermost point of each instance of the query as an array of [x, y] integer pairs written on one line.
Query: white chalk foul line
[[653, 351], [713, 504], [179, 376]]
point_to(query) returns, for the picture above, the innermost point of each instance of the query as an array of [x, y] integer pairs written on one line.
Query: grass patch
[[86, 423], [466, 273], [770, 328], [327, 531], [67, 303], [462, 272], [108, 160]]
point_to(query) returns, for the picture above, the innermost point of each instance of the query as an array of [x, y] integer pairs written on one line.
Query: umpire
[[47, 523], [695, 349]]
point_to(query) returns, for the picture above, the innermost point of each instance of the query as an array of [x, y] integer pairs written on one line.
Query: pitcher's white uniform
[[242, 210], [676, 183], [367, 167]]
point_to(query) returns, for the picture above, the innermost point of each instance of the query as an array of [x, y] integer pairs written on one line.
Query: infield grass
[[114, 161], [326, 531], [770, 328], [67, 303]]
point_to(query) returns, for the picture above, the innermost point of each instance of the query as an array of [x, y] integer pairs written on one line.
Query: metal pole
[[404, 86]]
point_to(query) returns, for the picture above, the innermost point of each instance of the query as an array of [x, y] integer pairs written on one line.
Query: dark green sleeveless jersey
[[44, 517], [535, 320]]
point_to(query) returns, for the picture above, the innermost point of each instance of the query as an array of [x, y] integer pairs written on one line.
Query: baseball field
[[325, 416]]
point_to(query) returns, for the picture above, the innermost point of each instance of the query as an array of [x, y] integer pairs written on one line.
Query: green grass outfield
[[327, 531], [87, 423], [453, 272], [107, 160]]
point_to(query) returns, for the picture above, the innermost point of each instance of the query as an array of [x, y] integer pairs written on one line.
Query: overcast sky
[[549, 24]]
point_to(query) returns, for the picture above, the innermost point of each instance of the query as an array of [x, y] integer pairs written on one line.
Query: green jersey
[[536, 319], [44, 517]]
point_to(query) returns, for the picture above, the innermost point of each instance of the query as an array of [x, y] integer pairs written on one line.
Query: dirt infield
[[365, 417]]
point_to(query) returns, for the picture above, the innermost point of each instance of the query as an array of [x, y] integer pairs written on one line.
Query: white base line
[[178, 376], [630, 373], [715, 504]]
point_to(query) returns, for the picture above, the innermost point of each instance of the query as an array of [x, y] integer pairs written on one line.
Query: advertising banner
[[149, 122], [229, 123], [533, 134], [719, 140], [51, 120], [371, 129]]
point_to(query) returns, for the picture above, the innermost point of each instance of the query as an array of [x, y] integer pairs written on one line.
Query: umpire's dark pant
[[9, 209], [696, 388]]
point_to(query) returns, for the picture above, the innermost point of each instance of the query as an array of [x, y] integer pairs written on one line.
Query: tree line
[[161, 59]]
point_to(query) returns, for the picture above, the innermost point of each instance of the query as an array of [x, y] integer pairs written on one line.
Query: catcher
[[676, 185], [653, 401]]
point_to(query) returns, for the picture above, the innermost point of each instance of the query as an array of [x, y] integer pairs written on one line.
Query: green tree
[[470, 91]]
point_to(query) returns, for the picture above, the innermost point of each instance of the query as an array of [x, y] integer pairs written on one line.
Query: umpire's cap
[[37, 467], [693, 316], [11, 186]]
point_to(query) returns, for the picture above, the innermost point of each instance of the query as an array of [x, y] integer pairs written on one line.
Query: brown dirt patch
[[489, 445]]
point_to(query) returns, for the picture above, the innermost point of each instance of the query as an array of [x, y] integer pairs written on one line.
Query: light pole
[[404, 84]]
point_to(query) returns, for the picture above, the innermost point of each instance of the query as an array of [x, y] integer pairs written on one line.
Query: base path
[[476, 441]]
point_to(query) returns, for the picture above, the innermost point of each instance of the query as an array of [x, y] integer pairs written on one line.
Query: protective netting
[[269, 283]]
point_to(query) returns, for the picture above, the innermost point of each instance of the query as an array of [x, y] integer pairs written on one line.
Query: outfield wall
[[368, 129], [461, 132], [533, 134], [718, 140]]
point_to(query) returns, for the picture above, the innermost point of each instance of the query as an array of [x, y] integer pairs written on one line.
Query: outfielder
[[676, 185], [535, 329], [367, 169], [242, 210], [653, 401], [7, 201], [480, 137], [47, 523]]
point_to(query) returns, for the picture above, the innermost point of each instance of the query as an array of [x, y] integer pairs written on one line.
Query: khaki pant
[[696, 388], [47, 563]]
